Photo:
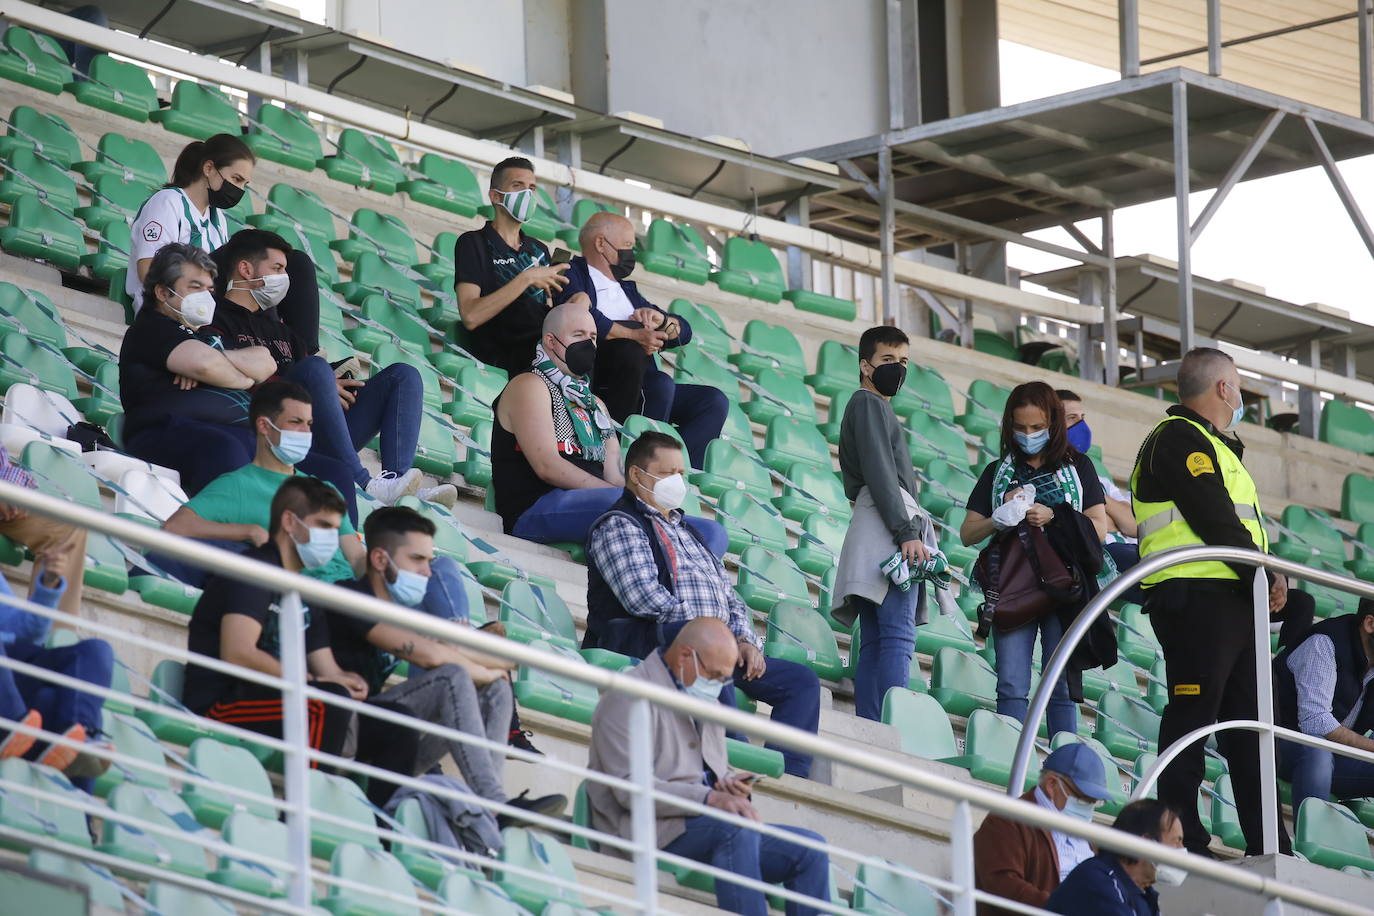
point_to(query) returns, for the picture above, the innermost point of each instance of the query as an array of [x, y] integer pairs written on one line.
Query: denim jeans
[[199, 451], [887, 640], [387, 406], [1126, 556], [752, 855], [1316, 773], [561, 516], [1014, 650], [90, 660], [698, 411]]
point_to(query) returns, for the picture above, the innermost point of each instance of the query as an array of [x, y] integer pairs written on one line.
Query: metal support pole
[[961, 859], [1111, 370], [961, 256], [798, 213], [1366, 40], [896, 102], [1089, 293], [1352, 207], [1128, 36], [1184, 229], [296, 766], [538, 135], [1264, 697], [262, 64], [295, 66], [1214, 37], [1237, 172], [643, 826], [1309, 400], [570, 154], [887, 226]]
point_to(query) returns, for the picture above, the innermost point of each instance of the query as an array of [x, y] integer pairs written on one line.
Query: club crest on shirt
[[1199, 464], [152, 232]]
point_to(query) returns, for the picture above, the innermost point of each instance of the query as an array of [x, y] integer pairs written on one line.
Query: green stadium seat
[[1329, 835], [436, 452], [101, 885], [1357, 497], [476, 389], [116, 86], [532, 612], [797, 633], [387, 321], [476, 466], [946, 486], [765, 578], [565, 697], [939, 631], [424, 867], [166, 897], [183, 853], [262, 836], [675, 251], [377, 233], [817, 489], [103, 402], [1121, 676], [922, 724], [730, 467], [1058, 359], [37, 230], [33, 313], [340, 798], [60, 474], [30, 174], [135, 740], [790, 440], [925, 390], [22, 811], [1136, 637], [43, 134], [769, 346], [1316, 541], [438, 270], [708, 331], [297, 206], [446, 184], [930, 438], [199, 111], [816, 553], [983, 409], [695, 367], [1126, 726], [230, 766], [365, 161], [962, 681], [1329, 601], [989, 746], [373, 275], [748, 521], [126, 158], [1225, 817], [881, 891], [822, 304], [285, 135], [1347, 426], [537, 852], [837, 369], [830, 429], [951, 546], [750, 269], [471, 893], [985, 341], [167, 680], [113, 201], [786, 395], [1119, 793], [34, 59], [1362, 564], [374, 869], [110, 260]]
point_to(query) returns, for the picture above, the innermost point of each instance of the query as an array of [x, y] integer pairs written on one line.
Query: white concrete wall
[[487, 33]]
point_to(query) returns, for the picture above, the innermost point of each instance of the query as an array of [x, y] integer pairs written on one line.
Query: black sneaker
[[520, 739], [548, 805]]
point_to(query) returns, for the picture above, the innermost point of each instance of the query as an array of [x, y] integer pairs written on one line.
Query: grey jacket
[[682, 752], [867, 545], [874, 454]]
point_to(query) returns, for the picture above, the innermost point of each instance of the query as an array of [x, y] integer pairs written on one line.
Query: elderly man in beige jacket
[[689, 763]]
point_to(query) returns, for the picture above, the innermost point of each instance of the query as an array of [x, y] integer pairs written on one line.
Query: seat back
[[539, 852], [40, 409], [265, 836], [166, 897], [232, 766], [341, 798], [471, 893], [149, 495], [133, 739], [386, 233], [183, 852], [117, 86], [788, 388], [285, 135], [1330, 835], [199, 111], [1318, 534], [883, 892], [750, 522], [774, 341], [28, 174], [376, 869], [922, 724], [58, 473], [133, 159], [756, 259], [303, 208], [458, 181], [541, 610], [1347, 426], [20, 810], [44, 133]]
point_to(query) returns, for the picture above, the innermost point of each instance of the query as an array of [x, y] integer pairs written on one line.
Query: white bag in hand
[[1012, 512]]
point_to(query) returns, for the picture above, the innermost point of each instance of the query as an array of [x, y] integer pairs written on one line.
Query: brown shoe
[[17, 744], [60, 756]]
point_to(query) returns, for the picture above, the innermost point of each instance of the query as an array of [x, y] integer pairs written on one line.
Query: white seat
[[14, 436], [149, 495], [43, 410], [114, 465]]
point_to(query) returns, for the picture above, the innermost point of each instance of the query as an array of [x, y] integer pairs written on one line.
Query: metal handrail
[[1053, 668], [963, 794]]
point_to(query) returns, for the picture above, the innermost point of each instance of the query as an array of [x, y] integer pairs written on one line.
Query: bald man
[[555, 456], [690, 763], [631, 330]]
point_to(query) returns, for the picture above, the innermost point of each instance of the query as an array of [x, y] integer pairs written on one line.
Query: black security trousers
[[1207, 634]]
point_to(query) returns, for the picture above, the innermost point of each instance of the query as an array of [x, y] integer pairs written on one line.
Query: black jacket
[[1074, 537], [1351, 666]]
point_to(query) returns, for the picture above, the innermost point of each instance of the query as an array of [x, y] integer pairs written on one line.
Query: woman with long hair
[[1035, 451], [210, 176]]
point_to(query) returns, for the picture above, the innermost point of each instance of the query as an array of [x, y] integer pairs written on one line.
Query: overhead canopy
[[226, 28]]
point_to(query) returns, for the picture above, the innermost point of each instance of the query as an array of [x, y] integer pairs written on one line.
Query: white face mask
[[197, 309], [1170, 875], [272, 291], [670, 490]]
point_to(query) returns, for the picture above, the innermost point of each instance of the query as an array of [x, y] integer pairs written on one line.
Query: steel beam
[[1128, 31], [1309, 400], [886, 229], [1366, 42], [1236, 173], [1184, 229], [1110, 368], [1338, 182], [1214, 37], [798, 261]]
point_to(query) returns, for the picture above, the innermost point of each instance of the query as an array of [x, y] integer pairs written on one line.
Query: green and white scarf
[[590, 424], [1065, 477]]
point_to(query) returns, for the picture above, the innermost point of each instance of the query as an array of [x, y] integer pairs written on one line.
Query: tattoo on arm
[[406, 650]]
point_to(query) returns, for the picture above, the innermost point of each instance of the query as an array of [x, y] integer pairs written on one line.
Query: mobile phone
[[561, 256]]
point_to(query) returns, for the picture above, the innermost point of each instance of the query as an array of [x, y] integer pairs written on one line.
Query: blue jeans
[[1316, 773], [1014, 650], [80, 55], [561, 516], [887, 640], [199, 451], [698, 411], [1125, 556], [753, 855], [388, 406]]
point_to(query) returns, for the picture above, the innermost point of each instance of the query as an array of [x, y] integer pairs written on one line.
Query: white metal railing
[[960, 886]]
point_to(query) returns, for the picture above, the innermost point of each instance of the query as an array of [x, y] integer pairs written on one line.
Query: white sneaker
[[386, 487], [445, 494]]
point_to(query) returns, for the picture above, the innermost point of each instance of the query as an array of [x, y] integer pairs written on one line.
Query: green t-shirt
[[244, 497]]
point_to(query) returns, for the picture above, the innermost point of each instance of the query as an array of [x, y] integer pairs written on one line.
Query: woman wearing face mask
[[186, 401], [210, 177], [1110, 884], [1035, 452]]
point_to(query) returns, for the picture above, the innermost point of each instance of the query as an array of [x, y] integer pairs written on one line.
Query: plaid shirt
[[702, 588], [1313, 664], [13, 473]]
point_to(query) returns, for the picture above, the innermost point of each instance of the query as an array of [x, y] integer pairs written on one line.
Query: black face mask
[[888, 378], [226, 196], [624, 263], [580, 356]]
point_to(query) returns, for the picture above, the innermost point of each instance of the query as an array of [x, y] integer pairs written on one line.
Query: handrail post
[[961, 870], [1264, 699], [296, 767], [643, 823]]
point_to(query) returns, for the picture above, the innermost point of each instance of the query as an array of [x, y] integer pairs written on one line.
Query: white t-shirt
[[169, 216], [611, 300]]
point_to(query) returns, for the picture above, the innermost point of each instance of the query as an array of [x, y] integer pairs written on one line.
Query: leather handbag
[[1022, 578]]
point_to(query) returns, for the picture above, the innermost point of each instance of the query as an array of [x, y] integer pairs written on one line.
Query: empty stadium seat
[[444, 183], [728, 466], [532, 612], [765, 578], [797, 633], [1347, 426], [708, 330], [166, 897], [880, 891], [748, 521], [566, 697], [929, 438], [115, 86], [1136, 637], [768, 346], [43, 134], [470, 893], [1126, 726], [922, 724], [379, 233], [946, 485], [59, 473], [538, 852], [925, 390], [791, 439], [675, 250], [476, 388], [135, 740], [341, 798], [182, 851], [22, 811], [364, 160], [989, 747], [260, 835], [962, 682], [101, 885], [126, 158], [286, 136], [374, 869], [812, 489], [167, 679], [750, 268], [30, 174], [198, 111], [233, 767], [983, 408], [297, 206], [33, 59], [780, 394], [940, 630], [39, 231], [1315, 539], [817, 550], [1330, 835], [373, 275]]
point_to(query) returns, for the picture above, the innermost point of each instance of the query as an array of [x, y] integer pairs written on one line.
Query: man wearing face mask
[[185, 397], [238, 622], [630, 330], [1025, 863], [502, 276], [1189, 488], [1110, 884], [690, 763], [649, 572], [447, 685]]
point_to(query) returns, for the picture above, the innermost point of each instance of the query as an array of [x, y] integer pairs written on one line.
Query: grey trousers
[[447, 696]]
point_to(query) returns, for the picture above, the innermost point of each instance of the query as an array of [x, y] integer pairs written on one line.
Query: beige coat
[[681, 751], [867, 545]]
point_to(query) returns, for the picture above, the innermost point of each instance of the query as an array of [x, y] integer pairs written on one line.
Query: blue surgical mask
[[1081, 437], [1237, 412], [1077, 807], [293, 446], [409, 588], [705, 688], [320, 549], [1030, 443]]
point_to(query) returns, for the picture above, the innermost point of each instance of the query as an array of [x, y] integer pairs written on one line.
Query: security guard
[[1189, 488]]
